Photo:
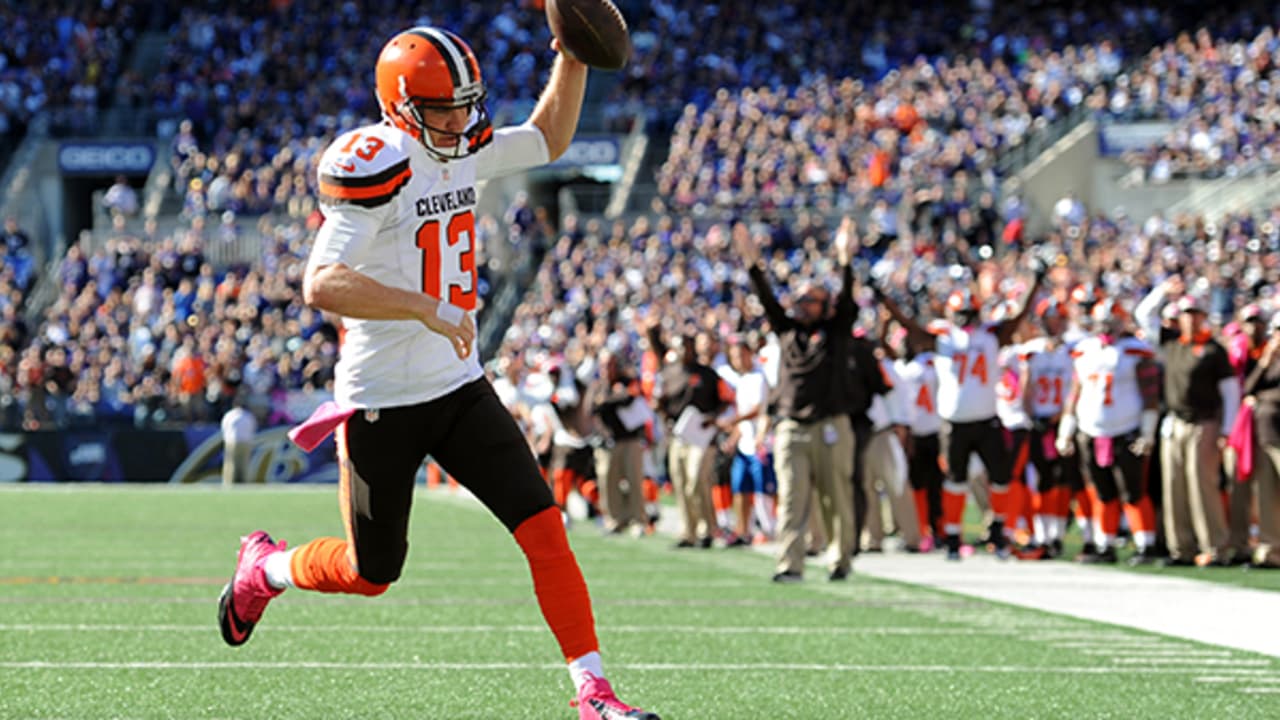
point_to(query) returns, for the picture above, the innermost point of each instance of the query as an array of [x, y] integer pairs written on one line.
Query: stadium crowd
[[622, 317], [144, 331], [605, 289], [64, 57], [1222, 96]]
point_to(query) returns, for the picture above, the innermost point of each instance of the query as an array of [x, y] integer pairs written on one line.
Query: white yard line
[[651, 667], [513, 629]]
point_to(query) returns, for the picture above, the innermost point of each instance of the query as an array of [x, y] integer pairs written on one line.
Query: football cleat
[[597, 701], [245, 598], [1102, 557]]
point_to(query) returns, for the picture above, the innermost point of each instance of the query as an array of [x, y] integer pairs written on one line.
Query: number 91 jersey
[[406, 220]]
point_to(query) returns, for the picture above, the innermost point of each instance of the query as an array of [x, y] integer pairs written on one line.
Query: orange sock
[[563, 484], [591, 491], [921, 498], [434, 477], [1002, 498], [1107, 514], [650, 489], [1084, 504], [326, 565], [721, 497], [953, 509], [558, 583]]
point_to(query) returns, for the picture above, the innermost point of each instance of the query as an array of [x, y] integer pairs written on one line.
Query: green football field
[[108, 604]]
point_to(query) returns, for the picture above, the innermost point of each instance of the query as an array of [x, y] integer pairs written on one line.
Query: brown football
[[593, 31]]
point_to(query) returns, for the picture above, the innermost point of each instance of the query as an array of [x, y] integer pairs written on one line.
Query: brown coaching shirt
[[1264, 385], [814, 364], [1192, 370]]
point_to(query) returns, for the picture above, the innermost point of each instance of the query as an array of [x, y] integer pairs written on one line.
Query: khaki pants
[[878, 473], [808, 457], [690, 468], [1193, 513], [235, 463], [621, 473], [1266, 481], [1239, 505]]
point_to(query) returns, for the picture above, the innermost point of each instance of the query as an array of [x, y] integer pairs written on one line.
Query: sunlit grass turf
[[128, 630]]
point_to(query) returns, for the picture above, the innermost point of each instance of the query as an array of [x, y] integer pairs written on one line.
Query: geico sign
[[106, 159], [590, 152]]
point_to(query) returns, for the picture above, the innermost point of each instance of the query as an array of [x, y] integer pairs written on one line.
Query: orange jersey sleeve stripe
[[371, 192]]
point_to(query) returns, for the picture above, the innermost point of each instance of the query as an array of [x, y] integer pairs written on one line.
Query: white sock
[[1144, 539], [1086, 530], [1041, 529], [588, 664], [276, 568], [766, 513]]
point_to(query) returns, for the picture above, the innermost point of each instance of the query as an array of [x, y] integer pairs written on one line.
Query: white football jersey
[[1011, 407], [750, 392], [1110, 402], [920, 383], [893, 407], [1048, 364], [967, 361], [406, 220]]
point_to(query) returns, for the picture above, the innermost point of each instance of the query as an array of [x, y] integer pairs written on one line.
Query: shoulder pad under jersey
[[365, 167]]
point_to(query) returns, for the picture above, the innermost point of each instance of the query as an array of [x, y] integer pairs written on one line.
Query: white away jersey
[[894, 407], [920, 383], [1048, 364], [968, 365], [406, 220], [1110, 402], [1011, 406]]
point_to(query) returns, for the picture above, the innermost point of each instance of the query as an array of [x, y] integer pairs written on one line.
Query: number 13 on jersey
[[450, 265]]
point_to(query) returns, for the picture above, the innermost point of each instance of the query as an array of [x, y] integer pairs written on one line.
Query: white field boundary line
[[487, 629], [639, 667]]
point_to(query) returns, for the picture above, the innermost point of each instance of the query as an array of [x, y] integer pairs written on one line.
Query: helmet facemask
[[477, 133]]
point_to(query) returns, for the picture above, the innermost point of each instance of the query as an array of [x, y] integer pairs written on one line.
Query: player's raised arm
[[1007, 328], [916, 333], [556, 113]]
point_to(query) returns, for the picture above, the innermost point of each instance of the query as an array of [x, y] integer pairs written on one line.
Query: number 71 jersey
[[406, 220], [1110, 401]]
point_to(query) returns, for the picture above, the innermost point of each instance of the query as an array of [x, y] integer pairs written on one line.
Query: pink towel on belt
[[1104, 451], [320, 425], [1241, 438], [1049, 443]]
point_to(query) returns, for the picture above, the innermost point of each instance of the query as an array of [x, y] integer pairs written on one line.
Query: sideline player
[[966, 362], [1111, 417], [395, 258]]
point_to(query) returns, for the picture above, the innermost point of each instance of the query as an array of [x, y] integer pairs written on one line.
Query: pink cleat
[[245, 598], [596, 701]]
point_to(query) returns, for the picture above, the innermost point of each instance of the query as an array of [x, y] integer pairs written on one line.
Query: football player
[[925, 472], [395, 258], [1111, 417], [965, 358], [1046, 380]]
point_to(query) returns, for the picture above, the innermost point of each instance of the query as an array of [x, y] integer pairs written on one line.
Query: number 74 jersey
[[407, 221]]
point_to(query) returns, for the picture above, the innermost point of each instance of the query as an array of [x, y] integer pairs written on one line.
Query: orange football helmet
[[964, 300], [1110, 315], [426, 68]]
